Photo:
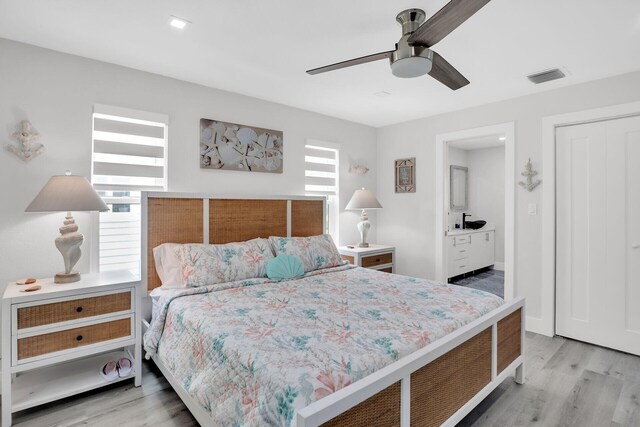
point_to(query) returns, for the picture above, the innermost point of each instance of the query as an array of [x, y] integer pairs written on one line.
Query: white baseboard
[[498, 266]]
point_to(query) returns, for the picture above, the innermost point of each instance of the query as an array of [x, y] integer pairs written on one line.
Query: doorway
[[474, 196], [472, 253]]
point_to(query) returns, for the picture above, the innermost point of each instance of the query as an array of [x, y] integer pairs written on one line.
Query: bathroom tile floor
[[484, 280]]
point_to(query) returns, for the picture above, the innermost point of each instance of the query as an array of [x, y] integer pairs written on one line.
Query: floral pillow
[[315, 252], [204, 265]]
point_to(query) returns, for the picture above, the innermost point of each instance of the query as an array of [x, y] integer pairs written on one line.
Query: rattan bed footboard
[[437, 385]]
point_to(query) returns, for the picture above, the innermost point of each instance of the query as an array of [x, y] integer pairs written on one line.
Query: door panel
[[598, 199], [632, 277], [579, 164], [577, 148]]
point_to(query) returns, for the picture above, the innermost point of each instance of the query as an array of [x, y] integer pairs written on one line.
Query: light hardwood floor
[[568, 384]]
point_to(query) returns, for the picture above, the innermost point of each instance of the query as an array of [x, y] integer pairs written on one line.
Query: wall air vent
[[546, 76]]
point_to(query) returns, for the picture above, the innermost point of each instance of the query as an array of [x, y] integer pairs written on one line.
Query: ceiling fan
[[412, 56]]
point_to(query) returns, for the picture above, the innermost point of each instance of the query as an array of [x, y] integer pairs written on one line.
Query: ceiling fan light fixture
[[411, 61], [413, 66]]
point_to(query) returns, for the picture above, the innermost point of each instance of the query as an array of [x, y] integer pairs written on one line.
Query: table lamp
[[66, 193], [363, 199]]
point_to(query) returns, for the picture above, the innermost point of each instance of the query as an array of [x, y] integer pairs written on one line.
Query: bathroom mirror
[[458, 183]]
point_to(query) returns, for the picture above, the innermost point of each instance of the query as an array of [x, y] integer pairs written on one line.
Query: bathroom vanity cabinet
[[470, 250]]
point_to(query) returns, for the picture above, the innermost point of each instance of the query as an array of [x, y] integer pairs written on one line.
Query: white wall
[[486, 191], [457, 156], [416, 244], [56, 92]]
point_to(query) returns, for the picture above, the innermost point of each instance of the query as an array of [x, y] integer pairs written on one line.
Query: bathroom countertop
[[459, 231]]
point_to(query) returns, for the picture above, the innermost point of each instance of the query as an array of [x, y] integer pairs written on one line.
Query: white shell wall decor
[[238, 147], [358, 169], [27, 148], [529, 173]]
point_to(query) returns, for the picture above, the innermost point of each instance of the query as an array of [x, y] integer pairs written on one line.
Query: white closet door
[[598, 233]]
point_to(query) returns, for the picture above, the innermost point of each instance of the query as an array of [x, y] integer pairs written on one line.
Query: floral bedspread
[[254, 353]]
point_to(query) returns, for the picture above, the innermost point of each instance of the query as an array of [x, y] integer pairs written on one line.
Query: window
[[322, 165], [129, 155]]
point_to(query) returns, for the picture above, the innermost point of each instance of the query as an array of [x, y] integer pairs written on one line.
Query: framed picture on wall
[[237, 147], [406, 175]]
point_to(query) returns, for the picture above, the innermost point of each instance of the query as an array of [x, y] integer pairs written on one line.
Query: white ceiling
[[261, 48]]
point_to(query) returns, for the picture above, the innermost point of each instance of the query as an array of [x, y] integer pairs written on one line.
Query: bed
[[341, 346]]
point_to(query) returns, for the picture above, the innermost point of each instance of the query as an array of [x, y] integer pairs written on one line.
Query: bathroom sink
[[474, 225]]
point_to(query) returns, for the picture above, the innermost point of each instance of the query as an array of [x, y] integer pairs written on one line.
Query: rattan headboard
[[189, 218]]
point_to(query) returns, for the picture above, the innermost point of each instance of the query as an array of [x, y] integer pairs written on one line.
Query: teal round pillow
[[284, 267]]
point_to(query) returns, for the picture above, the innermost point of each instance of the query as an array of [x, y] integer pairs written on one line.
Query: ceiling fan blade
[[444, 72], [352, 62], [445, 21]]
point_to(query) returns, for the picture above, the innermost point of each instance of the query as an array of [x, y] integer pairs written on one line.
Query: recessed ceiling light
[[179, 23], [502, 138]]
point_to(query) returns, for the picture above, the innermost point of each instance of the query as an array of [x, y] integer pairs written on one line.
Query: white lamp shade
[[65, 193], [363, 199]]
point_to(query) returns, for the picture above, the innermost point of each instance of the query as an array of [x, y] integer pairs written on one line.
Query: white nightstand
[[377, 257], [55, 340]]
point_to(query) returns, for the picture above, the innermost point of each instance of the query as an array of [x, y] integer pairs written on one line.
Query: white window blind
[[128, 156], [322, 165]]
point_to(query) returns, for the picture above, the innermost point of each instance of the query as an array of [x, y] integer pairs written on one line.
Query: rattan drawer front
[[46, 314], [387, 270], [373, 260], [72, 338]]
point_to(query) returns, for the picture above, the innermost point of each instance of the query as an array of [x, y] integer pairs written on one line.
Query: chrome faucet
[[464, 220]]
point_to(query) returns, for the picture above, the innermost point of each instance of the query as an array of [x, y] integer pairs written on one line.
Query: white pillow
[[168, 266]]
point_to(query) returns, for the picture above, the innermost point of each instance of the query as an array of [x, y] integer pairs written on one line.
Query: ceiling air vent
[[546, 76]]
